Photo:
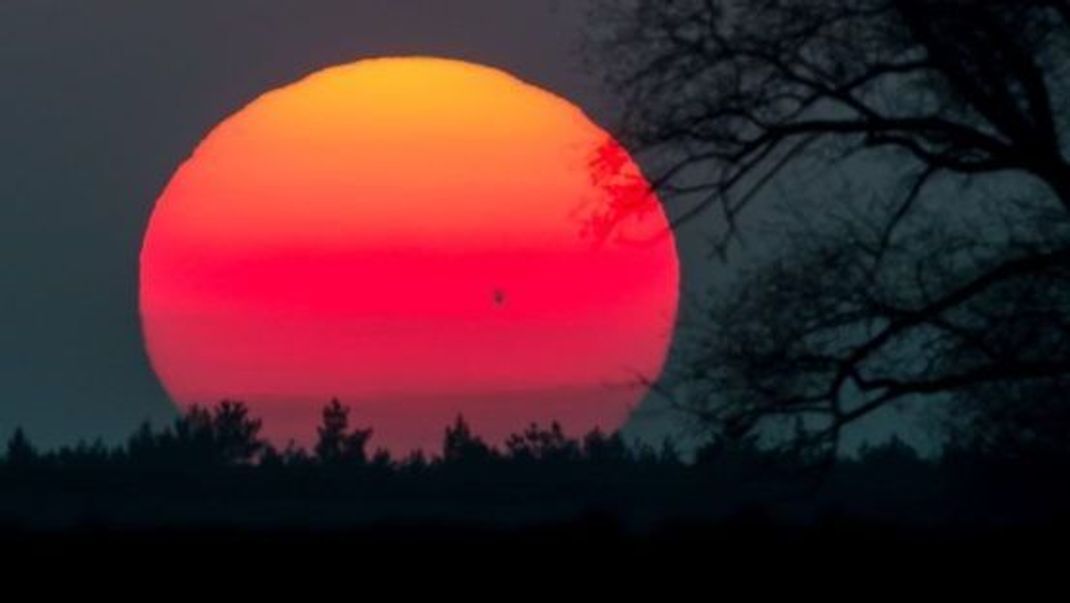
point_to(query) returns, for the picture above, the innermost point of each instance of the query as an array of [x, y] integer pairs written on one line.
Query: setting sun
[[420, 238]]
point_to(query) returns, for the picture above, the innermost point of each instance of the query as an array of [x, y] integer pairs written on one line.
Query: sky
[[103, 100]]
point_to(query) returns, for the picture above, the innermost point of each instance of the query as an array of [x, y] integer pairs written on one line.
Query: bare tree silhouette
[[878, 303]]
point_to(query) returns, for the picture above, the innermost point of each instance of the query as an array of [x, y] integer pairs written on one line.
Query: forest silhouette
[[212, 467], [927, 266]]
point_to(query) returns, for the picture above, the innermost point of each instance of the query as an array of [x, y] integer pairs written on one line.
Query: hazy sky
[[100, 103], [102, 100]]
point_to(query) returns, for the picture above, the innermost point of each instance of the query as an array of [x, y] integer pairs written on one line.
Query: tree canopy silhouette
[[461, 446], [224, 435], [887, 299], [189, 473], [337, 444], [20, 452], [548, 445]]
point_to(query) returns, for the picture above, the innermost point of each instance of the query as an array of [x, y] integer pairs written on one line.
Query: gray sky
[[102, 100], [100, 103]]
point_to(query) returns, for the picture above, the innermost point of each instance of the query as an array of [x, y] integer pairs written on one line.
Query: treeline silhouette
[[211, 466]]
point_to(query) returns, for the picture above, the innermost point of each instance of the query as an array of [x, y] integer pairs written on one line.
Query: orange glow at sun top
[[420, 238]]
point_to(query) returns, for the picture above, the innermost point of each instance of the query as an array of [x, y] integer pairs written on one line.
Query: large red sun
[[420, 238]]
